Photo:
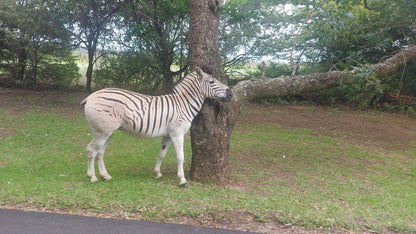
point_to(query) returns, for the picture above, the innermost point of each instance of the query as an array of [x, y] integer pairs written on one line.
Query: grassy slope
[[292, 176]]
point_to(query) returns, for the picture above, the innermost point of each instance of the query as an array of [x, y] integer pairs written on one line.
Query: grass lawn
[[280, 175]]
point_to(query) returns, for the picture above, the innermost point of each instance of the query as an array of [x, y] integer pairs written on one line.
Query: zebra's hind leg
[[100, 162], [91, 154], [95, 150], [164, 146]]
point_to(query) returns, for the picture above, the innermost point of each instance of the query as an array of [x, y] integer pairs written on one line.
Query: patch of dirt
[[22, 100], [369, 129], [6, 132]]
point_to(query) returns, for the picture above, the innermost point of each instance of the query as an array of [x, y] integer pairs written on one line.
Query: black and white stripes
[[147, 116]]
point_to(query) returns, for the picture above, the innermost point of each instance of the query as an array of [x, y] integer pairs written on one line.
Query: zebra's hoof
[[93, 179], [185, 185], [107, 178], [158, 176]]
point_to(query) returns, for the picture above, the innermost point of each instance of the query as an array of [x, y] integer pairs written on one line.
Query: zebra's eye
[[212, 82]]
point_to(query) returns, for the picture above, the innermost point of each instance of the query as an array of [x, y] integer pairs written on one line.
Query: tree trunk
[[167, 75], [89, 77], [211, 129], [22, 59], [92, 48], [293, 85]]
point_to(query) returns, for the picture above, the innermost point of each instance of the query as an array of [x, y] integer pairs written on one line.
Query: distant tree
[[34, 42], [249, 28], [158, 29], [323, 40], [89, 22], [344, 34]]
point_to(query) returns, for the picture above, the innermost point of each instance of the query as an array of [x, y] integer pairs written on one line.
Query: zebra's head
[[212, 88]]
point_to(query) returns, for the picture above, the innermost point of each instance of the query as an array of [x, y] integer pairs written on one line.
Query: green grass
[[290, 176]]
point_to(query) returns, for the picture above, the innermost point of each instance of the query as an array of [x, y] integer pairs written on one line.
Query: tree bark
[[90, 67], [22, 59], [293, 85], [211, 129]]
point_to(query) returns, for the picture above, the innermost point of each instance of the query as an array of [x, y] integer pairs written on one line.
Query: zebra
[[168, 116]]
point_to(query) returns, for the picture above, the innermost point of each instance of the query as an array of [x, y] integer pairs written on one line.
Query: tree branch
[[373, 8], [294, 85]]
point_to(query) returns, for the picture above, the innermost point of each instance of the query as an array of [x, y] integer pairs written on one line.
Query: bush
[[273, 70], [126, 70], [61, 72], [50, 71], [364, 89]]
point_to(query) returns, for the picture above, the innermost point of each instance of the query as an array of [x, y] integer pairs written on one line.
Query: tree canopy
[[34, 43], [295, 37]]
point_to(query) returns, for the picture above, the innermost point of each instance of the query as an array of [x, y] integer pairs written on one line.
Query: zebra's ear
[[199, 71]]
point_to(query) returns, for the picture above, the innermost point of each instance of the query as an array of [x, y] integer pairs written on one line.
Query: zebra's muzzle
[[228, 95]]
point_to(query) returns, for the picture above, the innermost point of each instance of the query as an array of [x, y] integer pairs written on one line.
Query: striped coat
[[144, 116]]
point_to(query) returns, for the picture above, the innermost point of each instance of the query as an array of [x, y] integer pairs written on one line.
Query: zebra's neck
[[189, 95]]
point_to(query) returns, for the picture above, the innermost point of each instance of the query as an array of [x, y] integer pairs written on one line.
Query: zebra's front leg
[[178, 144], [164, 146]]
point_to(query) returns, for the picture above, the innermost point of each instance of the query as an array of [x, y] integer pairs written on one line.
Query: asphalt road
[[22, 222]]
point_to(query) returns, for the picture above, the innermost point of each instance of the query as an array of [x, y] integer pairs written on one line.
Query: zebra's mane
[[180, 86]]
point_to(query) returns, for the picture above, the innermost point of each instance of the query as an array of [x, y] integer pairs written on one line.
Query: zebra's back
[[133, 113]]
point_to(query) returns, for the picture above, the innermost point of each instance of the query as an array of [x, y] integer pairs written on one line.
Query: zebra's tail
[[82, 104]]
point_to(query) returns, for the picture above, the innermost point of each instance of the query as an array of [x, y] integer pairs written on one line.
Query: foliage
[[89, 23], [317, 36], [35, 46], [154, 47], [158, 30], [248, 28], [62, 71], [127, 70], [343, 34], [363, 89], [308, 36], [274, 70]]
